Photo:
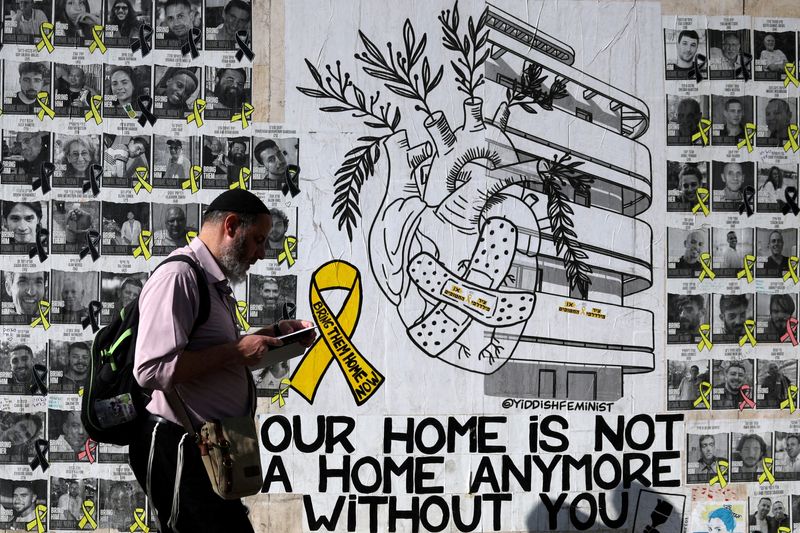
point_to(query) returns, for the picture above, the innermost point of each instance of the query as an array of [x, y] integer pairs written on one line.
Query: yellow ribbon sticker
[[139, 524], [244, 115], [335, 341], [289, 244], [44, 310], [790, 69], [241, 308], [791, 263], [784, 529], [749, 135], [46, 31], [142, 180], [749, 328], [766, 463], [703, 195], [704, 389], [194, 175], [196, 115], [705, 342], [705, 263], [793, 133], [789, 402], [241, 183], [145, 237], [748, 262], [704, 126], [38, 522], [286, 384], [87, 507], [720, 478], [97, 39], [94, 113], [42, 100], [190, 235]]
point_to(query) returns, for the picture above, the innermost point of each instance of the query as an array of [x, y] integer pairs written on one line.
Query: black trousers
[[199, 509]]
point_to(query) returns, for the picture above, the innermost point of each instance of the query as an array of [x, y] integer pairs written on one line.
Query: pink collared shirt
[[168, 306]]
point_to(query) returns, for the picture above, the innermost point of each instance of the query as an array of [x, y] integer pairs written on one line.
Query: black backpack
[[113, 403]]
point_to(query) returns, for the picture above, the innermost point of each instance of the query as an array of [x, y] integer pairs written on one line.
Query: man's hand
[[252, 348], [284, 327]]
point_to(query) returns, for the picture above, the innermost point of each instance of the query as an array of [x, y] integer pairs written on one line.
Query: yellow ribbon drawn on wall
[[789, 402], [46, 31], [704, 389], [244, 177], [145, 238], [241, 309], [704, 126], [94, 112], [749, 135], [139, 524], [766, 464], [703, 195], [244, 115], [720, 478], [790, 69], [87, 507], [791, 272], [286, 384], [705, 342], [194, 176], [39, 519], [289, 244], [335, 341], [705, 264], [749, 330], [747, 272], [196, 115], [793, 134], [43, 101], [190, 235], [142, 180], [44, 309], [97, 39]]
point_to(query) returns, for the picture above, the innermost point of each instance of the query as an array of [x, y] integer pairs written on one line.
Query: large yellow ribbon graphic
[[791, 264], [194, 176], [142, 180], [87, 507], [766, 463], [138, 521], [702, 196], [44, 310], [289, 244], [793, 134], [705, 264], [94, 112], [749, 328], [145, 236], [43, 99], [46, 31], [244, 177], [335, 340], [38, 522], [705, 342], [196, 115], [747, 271], [704, 389], [97, 39], [790, 69], [704, 126], [749, 135], [244, 115], [789, 402], [722, 471]]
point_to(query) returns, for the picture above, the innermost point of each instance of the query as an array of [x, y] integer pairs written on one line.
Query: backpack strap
[[202, 286]]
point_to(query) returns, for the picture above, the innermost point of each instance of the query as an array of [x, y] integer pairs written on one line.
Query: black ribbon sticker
[[39, 385], [41, 446], [91, 318], [243, 42], [92, 245], [93, 183], [190, 46], [749, 196], [698, 67], [791, 201], [144, 42], [145, 107], [291, 180], [744, 66], [46, 175], [288, 311], [41, 244]]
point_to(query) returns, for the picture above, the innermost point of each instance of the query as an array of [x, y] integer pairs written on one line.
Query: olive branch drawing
[[468, 46], [527, 92]]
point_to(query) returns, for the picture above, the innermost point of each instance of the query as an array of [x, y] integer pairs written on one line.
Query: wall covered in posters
[[551, 249]]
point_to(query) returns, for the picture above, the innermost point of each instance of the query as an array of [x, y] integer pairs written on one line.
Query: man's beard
[[232, 260], [232, 97]]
